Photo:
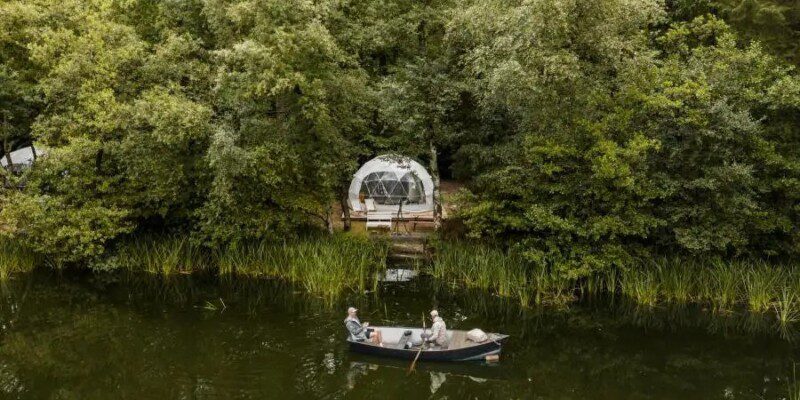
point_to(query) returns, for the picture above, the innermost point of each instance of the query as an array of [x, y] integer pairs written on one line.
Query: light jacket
[[355, 329], [438, 332]]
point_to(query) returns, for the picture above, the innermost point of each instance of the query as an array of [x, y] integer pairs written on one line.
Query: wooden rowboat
[[459, 348]]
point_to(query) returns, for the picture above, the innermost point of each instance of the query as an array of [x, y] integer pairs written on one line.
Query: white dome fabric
[[391, 179], [22, 157]]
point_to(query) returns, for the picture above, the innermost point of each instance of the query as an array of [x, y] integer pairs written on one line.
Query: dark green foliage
[[775, 23], [590, 135], [693, 150]]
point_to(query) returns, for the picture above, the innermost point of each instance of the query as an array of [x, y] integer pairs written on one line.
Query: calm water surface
[[103, 337]]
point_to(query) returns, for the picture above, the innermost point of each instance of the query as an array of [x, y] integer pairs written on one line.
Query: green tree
[[18, 101], [589, 134], [774, 23], [681, 150], [124, 140], [550, 175], [292, 104]]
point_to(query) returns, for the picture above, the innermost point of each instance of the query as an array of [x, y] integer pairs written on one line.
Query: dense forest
[[587, 133]]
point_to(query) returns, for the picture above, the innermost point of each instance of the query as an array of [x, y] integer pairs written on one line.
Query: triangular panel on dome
[[392, 180]]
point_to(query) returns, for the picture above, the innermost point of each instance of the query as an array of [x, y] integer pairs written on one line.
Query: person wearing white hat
[[438, 333], [360, 331]]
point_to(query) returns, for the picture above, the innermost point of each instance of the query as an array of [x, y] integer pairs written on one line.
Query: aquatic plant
[[505, 273], [721, 284], [793, 385], [676, 279], [761, 286], [328, 266], [15, 258], [523, 293], [724, 286], [162, 255], [479, 267], [787, 306], [599, 283], [641, 285], [612, 281], [323, 265]]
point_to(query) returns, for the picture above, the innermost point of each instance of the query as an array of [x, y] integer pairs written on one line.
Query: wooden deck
[[405, 216], [408, 222]]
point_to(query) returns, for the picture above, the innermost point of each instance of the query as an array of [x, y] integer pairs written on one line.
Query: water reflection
[[9, 383], [357, 371], [391, 303], [436, 373], [397, 275], [86, 337]]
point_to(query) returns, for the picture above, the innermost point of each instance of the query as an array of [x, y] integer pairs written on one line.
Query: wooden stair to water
[[409, 247]]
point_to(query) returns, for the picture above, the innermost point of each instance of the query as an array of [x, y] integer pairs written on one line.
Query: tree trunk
[[7, 155], [437, 195], [329, 219], [344, 199], [98, 161], [33, 151], [7, 152]]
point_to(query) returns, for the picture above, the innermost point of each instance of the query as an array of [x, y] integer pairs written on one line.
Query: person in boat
[[438, 333], [360, 331]]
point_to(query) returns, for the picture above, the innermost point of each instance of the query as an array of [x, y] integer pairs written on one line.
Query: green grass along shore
[[328, 266]]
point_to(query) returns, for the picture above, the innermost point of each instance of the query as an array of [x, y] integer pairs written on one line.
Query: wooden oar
[[421, 346]]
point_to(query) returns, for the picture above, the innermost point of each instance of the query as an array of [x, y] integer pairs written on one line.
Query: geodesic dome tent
[[390, 180], [21, 157]]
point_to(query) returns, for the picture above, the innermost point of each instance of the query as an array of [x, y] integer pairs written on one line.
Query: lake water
[[110, 336]]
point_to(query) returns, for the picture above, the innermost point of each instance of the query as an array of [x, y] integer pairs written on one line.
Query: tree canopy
[[587, 134]]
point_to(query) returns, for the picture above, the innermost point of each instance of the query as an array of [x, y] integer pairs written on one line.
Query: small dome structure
[[390, 180], [21, 158]]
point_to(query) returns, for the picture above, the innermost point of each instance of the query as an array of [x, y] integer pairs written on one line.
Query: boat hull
[[477, 351]]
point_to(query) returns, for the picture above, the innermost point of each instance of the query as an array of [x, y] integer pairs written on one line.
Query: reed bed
[[755, 286], [762, 285], [327, 266], [793, 385], [643, 285], [504, 273], [324, 266], [15, 258], [675, 285], [162, 255]]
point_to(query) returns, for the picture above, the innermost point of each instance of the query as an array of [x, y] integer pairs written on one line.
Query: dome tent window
[[389, 189], [390, 180]]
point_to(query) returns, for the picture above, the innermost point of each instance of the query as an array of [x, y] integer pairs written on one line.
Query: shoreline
[[330, 267]]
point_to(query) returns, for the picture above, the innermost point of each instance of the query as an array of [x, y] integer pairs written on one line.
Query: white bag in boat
[[477, 335]]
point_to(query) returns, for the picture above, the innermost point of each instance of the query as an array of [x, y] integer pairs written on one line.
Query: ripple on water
[[271, 342]]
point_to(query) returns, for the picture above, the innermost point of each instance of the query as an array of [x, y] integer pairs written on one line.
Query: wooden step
[[408, 257], [409, 237], [408, 247]]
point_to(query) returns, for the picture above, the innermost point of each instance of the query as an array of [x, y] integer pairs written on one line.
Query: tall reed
[[162, 255], [15, 258], [324, 266], [677, 279], [761, 286], [787, 306], [793, 385], [504, 273], [641, 284], [722, 284]]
